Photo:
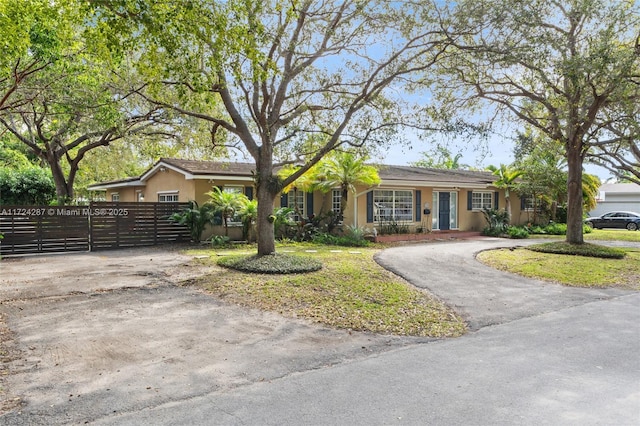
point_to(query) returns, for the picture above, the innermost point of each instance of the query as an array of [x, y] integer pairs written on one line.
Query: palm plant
[[194, 217], [281, 219], [227, 204], [248, 215], [506, 180], [590, 186], [345, 170]]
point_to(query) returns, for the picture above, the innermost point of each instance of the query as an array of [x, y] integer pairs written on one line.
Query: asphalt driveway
[[539, 354], [482, 295]]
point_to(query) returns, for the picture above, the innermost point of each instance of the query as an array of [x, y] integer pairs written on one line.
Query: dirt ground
[[90, 335]]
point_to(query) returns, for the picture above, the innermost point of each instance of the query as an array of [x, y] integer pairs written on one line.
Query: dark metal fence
[[97, 226]]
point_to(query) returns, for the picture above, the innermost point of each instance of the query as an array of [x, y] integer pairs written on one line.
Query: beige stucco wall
[[127, 194], [169, 181], [355, 214], [468, 220]]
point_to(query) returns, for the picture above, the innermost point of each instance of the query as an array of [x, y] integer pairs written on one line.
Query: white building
[[617, 197]]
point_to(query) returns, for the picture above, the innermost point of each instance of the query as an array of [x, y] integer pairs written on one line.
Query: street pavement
[[537, 354]]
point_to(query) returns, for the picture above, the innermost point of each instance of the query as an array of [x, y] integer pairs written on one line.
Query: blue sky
[[500, 151]]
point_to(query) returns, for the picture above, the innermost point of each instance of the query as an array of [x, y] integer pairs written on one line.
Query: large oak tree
[[567, 68], [284, 71], [65, 90]]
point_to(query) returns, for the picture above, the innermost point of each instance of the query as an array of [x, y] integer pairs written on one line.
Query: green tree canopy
[[506, 177], [440, 158], [283, 71], [30, 185], [566, 68]]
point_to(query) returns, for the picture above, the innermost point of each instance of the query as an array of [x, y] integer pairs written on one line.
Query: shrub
[[340, 240], [497, 221], [589, 250], [393, 227], [518, 232], [275, 263], [195, 218], [492, 232], [556, 229], [26, 186], [220, 241]]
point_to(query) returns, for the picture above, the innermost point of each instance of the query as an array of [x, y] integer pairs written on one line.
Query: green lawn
[[351, 291], [577, 271], [603, 235], [613, 235]]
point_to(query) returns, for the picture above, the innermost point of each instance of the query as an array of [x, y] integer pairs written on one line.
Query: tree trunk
[[574, 194], [264, 224], [64, 191], [344, 199]]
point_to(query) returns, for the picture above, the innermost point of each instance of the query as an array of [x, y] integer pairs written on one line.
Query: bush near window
[[517, 232]]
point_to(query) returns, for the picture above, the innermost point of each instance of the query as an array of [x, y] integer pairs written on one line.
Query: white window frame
[[168, 196], [233, 188], [336, 200], [237, 189], [302, 204], [481, 200], [115, 197], [435, 210], [388, 205], [529, 203], [454, 206]]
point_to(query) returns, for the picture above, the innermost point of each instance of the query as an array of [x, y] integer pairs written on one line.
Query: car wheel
[[590, 224], [632, 226]]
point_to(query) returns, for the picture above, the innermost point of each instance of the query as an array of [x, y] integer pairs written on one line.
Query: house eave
[[432, 184], [220, 177], [115, 185]]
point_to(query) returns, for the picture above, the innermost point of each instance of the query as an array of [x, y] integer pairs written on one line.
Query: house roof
[[389, 174], [406, 175], [620, 188], [120, 183], [199, 167]]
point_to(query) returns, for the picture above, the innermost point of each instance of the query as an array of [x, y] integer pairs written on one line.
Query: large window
[[527, 203], [296, 202], [168, 197], [392, 205], [481, 200], [234, 189]]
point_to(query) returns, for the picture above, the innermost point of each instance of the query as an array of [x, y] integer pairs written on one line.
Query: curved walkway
[[482, 295]]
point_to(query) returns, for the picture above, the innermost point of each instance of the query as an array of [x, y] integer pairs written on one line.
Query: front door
[[444, 210]]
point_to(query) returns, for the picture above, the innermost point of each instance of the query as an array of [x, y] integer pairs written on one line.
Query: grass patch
[[351, 291], [601, 235], [276, 263], [576, 271], [586, 249], [613, 235]]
